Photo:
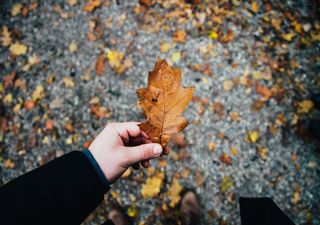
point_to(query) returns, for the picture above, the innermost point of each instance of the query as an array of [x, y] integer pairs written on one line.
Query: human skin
[[121, 145]]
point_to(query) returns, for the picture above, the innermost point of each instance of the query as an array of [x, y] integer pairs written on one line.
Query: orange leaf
[[49, 124], [264, 91], [29, 104], [100, 65], [163, 101], [179, 36], [91, 5]]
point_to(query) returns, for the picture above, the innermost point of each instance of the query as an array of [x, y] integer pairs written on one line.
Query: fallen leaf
[[6, 38], [226, 184], [226, 158], [163, 101], [38, 93], [164, 47], [8, 98], [199, 179], [175, 57], [218, 108], [227, 85], [152, 186], [257, 105], [254, 7], [29, 104], [253, 136], [211, 146], [147, 3], [227, 37], [213, 35], [234, 151], [234, 116], [16, 9], [305, 106], [9, 164], [18, 49], [72, 2], [100, 65], [263, 153], [288, 36], [264, 91], [88, 143], [73, 47], [68, 82], [173, 192], [92, 5], [179, 36], [49, 125], [116, 61]]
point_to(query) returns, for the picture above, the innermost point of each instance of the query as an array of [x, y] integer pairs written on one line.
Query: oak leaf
[[163, 101]]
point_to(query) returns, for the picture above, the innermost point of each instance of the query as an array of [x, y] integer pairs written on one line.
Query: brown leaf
[[264, 91], [147, 3], [226, 159], [218, 108], [179, 36], [100, 65], [163, 101]]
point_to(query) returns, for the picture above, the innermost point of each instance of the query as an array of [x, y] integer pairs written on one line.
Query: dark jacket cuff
[[97, 168]]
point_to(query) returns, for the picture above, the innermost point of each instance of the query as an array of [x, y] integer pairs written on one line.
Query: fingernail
[[157, 149]]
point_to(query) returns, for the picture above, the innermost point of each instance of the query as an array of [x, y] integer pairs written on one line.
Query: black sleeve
[[64, 191], [262, 211]]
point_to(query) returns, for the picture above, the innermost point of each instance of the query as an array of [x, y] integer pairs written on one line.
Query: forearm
[[64, 191]]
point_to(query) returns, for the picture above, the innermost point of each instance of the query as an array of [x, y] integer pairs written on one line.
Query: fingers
[[142, 152], [126, 130]]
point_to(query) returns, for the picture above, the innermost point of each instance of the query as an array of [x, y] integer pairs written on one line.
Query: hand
[[120, 145]]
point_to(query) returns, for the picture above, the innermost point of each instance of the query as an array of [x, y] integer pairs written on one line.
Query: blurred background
[[67, 68]]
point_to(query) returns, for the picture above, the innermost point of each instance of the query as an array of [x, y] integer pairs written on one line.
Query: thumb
[[143, 152]]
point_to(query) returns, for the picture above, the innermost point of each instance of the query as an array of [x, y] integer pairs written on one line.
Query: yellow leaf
[[288, 36], [234, 151], [263, 153], [16, 9], [253, 136], [164, 47], [297, 26], [174, 192], [33, 60], [152, 186], [18, 49], [132, 211], [213, 35], [73, 47], [256, 75], [175, 57], [305, 106], [17, 108], [69, 140], [115, 60], [38, 93], [6, 39], [1, 88], [8, 98], [276, 23], [68, 81], [254, 7]]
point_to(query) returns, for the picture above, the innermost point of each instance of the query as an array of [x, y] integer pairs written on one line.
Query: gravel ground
[[289, 173]]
